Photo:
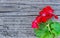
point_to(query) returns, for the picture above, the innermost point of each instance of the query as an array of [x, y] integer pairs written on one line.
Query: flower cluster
[[44, 15]]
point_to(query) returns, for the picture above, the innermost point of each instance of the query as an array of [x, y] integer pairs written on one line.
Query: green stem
[[50, 31]]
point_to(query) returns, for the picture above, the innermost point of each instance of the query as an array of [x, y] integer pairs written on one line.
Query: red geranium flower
[[35, 24], [38, 19], [48, 9], [45, 15], [44, 19], [48, 12], [56, 17]]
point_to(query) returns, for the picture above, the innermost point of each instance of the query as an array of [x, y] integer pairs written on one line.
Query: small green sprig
[[49, 29]]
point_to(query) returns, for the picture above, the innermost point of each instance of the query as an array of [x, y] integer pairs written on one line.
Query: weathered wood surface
[[25, 9], [19, 19], [16, 16]]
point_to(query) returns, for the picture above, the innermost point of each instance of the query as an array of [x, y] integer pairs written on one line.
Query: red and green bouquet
[[44, 26]]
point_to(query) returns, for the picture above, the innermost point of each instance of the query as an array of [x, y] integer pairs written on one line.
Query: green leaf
[[42, 25], [49, 21], [48, 35], [55, 28], [40, 31], [43, 33]]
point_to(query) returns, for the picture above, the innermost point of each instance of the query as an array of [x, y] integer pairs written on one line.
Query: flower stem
[[50, 31]]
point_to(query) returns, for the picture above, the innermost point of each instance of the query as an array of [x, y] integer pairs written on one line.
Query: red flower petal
[[56, 17], [49, 16], [41, 12], [38, 19], [44, 19], [48, 9], [34, 24]]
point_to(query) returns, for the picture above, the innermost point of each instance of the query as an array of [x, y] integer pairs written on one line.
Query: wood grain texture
[[34, 1], [17, 20], [25, 9], [16, 16], [23, 13]]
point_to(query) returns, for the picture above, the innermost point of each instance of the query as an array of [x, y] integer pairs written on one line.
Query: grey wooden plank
[[17, 31], [8, 8], [14, 1], [26, 9], [21, 6], [18, 20], [23, 13]]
